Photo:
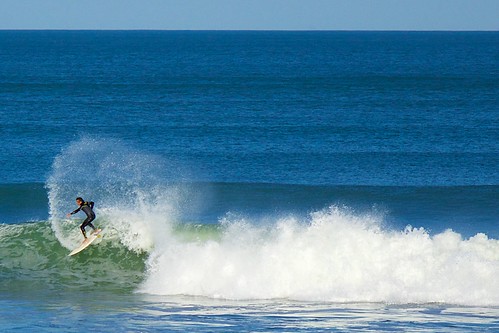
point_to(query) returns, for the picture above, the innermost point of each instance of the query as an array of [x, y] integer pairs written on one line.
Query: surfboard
[[86, 242]]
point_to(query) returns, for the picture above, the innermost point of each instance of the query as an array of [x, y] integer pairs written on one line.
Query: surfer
[[87, 208]]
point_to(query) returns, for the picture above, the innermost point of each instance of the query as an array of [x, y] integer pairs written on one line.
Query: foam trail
[[135, 200], [336, 256]]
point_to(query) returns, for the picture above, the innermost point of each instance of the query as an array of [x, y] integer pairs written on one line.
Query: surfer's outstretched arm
[[74, 212]]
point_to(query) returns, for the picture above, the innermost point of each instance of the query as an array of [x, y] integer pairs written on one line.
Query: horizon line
[[252, 30]]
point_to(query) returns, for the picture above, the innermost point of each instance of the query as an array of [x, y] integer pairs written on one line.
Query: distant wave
[[468, 209], [23, 202]]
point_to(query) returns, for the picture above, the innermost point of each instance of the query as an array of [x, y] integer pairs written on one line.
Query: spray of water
[[136, 200]]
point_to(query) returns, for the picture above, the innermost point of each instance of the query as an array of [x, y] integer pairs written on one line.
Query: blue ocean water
[[250, 181]]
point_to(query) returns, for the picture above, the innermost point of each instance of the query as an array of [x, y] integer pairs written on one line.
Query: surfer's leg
[[87, 221], [82, 228]]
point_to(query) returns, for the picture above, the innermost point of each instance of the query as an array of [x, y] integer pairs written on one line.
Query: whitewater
[[335, 256]]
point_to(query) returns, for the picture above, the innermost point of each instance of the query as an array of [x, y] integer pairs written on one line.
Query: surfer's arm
[[91, 203], [75, 211]]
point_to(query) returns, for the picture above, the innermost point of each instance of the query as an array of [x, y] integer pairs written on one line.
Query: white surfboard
[[86, 242]]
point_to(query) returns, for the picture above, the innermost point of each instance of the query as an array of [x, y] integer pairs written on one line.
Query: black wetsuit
[[86, 207]]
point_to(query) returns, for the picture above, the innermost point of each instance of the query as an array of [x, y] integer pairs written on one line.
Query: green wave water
[[33, 259]]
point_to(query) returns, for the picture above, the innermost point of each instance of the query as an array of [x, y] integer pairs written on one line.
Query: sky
[[250, 14]]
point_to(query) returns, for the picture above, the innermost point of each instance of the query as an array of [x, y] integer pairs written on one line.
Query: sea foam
[[336, 255]]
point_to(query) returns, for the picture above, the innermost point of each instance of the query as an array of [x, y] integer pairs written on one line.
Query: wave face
[[337, 254], [33, 260]]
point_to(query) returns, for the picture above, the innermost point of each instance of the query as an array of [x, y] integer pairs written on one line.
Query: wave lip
[[336, 256], [131, 191]]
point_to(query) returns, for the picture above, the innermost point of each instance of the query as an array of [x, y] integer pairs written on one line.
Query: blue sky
[[251, 14]]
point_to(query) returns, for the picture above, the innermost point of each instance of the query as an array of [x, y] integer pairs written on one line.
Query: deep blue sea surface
[[250, 181]]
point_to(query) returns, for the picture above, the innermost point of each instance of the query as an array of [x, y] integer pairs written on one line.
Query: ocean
[[250, 181]]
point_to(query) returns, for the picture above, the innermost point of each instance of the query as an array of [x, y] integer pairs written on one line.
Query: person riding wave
[[87, 208]]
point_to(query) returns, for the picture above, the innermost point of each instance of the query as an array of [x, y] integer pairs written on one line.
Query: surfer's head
[[79, 200]]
